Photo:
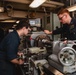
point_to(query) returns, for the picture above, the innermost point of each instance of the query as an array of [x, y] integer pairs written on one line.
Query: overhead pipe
[[49, 5], [54, 3], [28, 2], [20, 1]]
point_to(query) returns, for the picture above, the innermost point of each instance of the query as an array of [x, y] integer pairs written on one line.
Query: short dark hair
[[63, 10], [22, 23]]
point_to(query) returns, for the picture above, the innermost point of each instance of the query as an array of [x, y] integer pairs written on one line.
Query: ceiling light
[[1, 9], [17, 21], [72, 8], [10, 21], [36, 3]]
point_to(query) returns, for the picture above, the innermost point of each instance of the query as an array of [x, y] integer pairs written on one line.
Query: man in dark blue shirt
[[9, 49], [69, 25]]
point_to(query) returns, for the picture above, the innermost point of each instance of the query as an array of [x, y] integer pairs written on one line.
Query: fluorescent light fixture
[[10, 21], [72, 8], [36, 3]]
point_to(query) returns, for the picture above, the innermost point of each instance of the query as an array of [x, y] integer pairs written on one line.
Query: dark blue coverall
[[68, 30], [8, 52]]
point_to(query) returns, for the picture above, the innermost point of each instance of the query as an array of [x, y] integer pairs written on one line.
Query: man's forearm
[[16, 61]]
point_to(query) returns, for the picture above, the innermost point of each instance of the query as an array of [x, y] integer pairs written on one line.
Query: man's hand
[[18, 61], [47, 32], [20, 53], [21, 61]]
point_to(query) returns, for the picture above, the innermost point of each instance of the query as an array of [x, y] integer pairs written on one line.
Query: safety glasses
[[60, 18]]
